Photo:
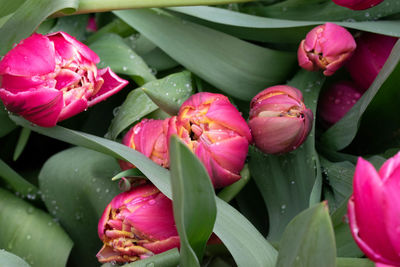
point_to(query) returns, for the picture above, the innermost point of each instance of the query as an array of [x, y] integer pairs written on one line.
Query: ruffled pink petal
[[303, 59], [103, 221], [66, 45], [16, 84], [41, 106], [136, 194], [112, 84], [66, 78], [32, 56], [155, 218], [146, 134], [391, 168], [338, 40], [163, 245], [75, 107], [369, 208]]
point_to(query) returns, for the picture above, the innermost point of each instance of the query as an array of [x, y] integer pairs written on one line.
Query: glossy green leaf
[[7, 125], [343, 132], [247, 246], [76, 188], [11, 260], [171, 92], [116, 54], [351, 262], [73, 25], [273, 30], [9, 7], [168, 258], [128, 173], [290, 182], [193, 200], [308, 240], [17, 182], [27, 17], [239, 68], [31, 233], [21, 143]]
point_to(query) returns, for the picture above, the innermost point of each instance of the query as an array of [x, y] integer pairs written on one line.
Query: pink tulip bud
[[149, 138], [357, 4], [50, 78], [137, 224], [370, 56], [374, 211], [216, 132], [336, 101], [279, 120], [326, 47]]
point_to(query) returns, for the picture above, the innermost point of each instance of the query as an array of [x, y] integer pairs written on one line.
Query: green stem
[[91, 6]]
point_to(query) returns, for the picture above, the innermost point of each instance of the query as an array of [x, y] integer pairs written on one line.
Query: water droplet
[[124, 68], [53, 202], [366, 14], [292, 182], [106, 191], [132, 56], [76, 170], [153, 71], [116, 111], [30, 210], [98, 190], [28, 237]]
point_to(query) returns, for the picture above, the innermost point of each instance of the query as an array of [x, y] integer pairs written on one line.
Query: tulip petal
[[112, 84], [146, 134], [163, 245], [34, 55], [66, 78], [17, 84]]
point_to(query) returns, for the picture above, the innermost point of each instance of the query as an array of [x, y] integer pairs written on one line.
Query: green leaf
[[76, 188], [73, 25], [116, 54], [27, 17], [9, 7], [193, 200], [308, 240], [7, 125], [11, 260], [17, 182], [343, 132], [351, 262], [290, 182], [22, 141], [273, 30], [31, 233], [238, 68], [171, 92], [168, 258], [246, 244], [229, 192]]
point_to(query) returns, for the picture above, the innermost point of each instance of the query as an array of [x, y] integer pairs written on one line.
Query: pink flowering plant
[[199, 133]]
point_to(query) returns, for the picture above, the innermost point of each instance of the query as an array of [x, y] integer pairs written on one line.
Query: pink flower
[[357, 4], [336, 101], [47, 79], [216, 132], [137, 224], [279, 120], [149, 138], [370, 56], [326, 47], [374, 210]]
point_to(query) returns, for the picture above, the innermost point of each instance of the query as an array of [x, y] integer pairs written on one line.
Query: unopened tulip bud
[[149, 138], [216, 132], [357, 4], [374, 211], [336, 101], [279, 120], [137, 224], [49, 78], [370, 56], [326, 47]]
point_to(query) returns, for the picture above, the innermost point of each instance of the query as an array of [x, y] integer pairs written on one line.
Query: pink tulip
[[149, 138], [337, 100], [49, 78], [279, 120], [370, 56], [137, 224], [374, 211], [357, 4], [326, 47], [216, 132]]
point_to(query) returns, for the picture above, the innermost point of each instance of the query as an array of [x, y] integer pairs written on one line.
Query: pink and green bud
[[49, 78], [374, 211], [326, 47], [149, 138], [370, 56], [216, 132], [279, 120], [336, 101], [137, 224], [357, 4]]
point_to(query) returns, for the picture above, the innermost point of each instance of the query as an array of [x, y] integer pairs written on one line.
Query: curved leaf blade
[[11, 260]]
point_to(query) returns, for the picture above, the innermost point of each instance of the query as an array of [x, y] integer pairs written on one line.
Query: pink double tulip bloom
[[279, 120], [337, 100], [137, 224], [357, 4], [374, 211], [370, 56], [216, 132], [49, 78], [326, 47]]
